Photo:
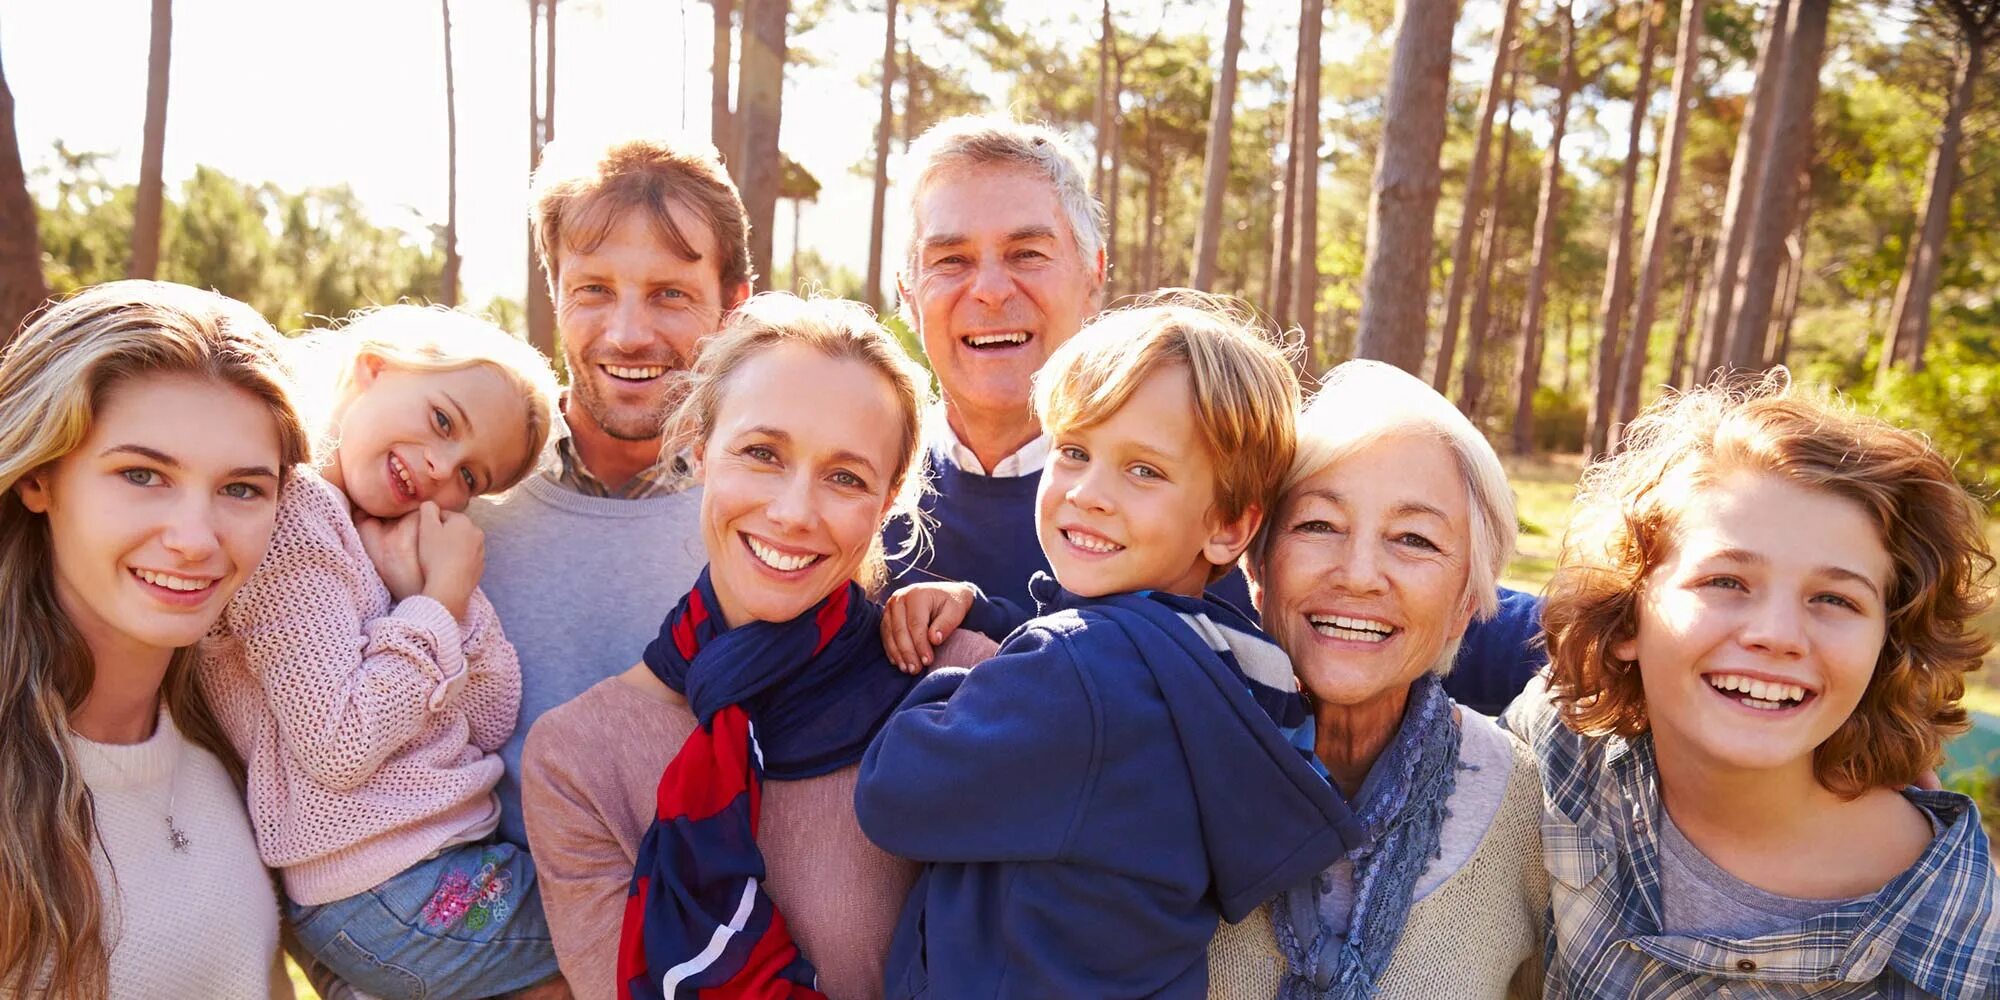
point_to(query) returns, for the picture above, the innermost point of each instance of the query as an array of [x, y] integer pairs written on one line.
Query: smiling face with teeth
[[1363, 581], [444, 436], [997, 284], [160, 514], [796, 479], [1759, 632], [1129, 503]]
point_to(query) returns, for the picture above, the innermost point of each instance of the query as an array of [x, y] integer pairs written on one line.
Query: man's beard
[[642, 426]]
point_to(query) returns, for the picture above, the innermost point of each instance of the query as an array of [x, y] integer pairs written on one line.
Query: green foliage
[[297, 257], [1560, 419], [1956, 400]]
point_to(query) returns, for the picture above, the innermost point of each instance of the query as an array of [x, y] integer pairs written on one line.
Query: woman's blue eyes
[[242, 491], [140, 477], [443, 422], [150, 477]]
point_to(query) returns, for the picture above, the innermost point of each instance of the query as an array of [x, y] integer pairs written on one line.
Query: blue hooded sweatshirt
[[1090, 800]]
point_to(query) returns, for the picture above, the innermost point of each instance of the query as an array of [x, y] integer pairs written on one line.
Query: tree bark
[[759, 106], [1530, 372], [22, 287], [1402, 215], [1739, 205], [1795, 279], [1660, 224], [1215, 158], [540, 308], [871, 288], [1105, 112], [152, 157], [1910, 317], [448, 281], [1285, 199], [1472, 382], [721, 121], [1683, 325], [1305, 235], [1462, 261], [1617, 263], [1149, 226], [1777, 196]]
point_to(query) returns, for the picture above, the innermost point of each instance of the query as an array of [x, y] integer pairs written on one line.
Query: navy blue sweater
[[1087, 803], [983, 533]]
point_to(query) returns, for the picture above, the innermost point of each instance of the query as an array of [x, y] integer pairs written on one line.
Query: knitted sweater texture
[[201, 922], [1477, 935], [370, 730]]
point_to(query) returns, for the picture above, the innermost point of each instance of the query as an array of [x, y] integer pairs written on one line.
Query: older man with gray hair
[[1006, 263]]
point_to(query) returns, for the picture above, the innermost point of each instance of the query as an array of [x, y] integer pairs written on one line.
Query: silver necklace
[[176, 837]]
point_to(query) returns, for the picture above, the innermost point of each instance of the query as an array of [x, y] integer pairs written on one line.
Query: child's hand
[[392, 547], [451, 550], [917, 618]]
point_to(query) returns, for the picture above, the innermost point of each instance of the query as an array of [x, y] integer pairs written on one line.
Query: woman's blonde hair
[[1627, 513], [414, 338], [840, 330], [52, 380]]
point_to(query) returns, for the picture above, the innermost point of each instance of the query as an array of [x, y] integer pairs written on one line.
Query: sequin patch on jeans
[[477, 897]]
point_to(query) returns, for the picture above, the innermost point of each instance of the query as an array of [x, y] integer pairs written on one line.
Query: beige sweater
[[590, 774], [1476, 935], [199, 922]]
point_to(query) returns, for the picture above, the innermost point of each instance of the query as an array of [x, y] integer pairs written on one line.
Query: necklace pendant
[[175, 838]]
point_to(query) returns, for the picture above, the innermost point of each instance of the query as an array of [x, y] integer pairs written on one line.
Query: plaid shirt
[[671, 474], [1933, 931]]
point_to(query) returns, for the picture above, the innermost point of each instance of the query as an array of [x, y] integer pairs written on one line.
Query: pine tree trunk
[[1530, 372], [22, 287], [1739, 204], [1683, 325], [721, 122], [1105, 111], [1777, 196], [1659, 224], [1462, 261], [448, 280], [1479, 320], [1149, 225], [1215, 159], [1286, 197], [1618, 264], [871, 286], [1305, 236], [540, 309], [1910, 317], [1402, 215], [759, 106], [146, 211], [1795, 279], [1119, 274]]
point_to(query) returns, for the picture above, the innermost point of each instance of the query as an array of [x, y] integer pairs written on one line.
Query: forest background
[[1550, 210]]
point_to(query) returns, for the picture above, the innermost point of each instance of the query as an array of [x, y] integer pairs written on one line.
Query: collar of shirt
[[1931, 926], [671, 474], [944, 442]]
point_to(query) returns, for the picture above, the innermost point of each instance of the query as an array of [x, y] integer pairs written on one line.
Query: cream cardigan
[[1477, 935]]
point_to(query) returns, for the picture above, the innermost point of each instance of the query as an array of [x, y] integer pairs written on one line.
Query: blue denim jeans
[[466, 923]]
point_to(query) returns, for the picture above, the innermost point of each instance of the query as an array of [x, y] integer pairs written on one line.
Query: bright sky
[[314, 93]]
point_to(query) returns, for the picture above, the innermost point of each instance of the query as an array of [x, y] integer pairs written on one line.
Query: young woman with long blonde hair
[[145, 432]]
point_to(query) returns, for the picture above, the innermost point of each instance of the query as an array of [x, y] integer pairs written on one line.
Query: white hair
[[1360, 403], [979, 140]]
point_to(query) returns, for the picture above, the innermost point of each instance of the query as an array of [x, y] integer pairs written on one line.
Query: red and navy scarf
[[785, 700]]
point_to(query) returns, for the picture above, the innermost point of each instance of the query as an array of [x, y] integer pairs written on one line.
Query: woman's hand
[[392, 547], [917, 618], [451, 550]]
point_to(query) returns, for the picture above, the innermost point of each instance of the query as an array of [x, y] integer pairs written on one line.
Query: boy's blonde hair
[[839, 330], [422, 339], [1627, 514], [1246, 396]]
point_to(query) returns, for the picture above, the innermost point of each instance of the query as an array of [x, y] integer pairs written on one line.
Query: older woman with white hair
[[1389, 533]]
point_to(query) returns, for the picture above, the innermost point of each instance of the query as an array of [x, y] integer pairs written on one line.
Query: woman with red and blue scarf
[[695, 814]]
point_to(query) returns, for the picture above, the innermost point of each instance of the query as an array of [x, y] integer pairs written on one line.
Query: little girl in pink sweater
[[363, 676]]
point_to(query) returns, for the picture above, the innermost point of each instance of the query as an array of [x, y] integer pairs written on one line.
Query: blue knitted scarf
[[1402, 804]]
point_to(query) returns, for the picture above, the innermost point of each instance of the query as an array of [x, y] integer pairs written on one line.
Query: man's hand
[[916, 620], [451, 550], [392, 547]]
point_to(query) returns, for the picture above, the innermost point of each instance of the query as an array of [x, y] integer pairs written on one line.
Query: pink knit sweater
[[369, 732]]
